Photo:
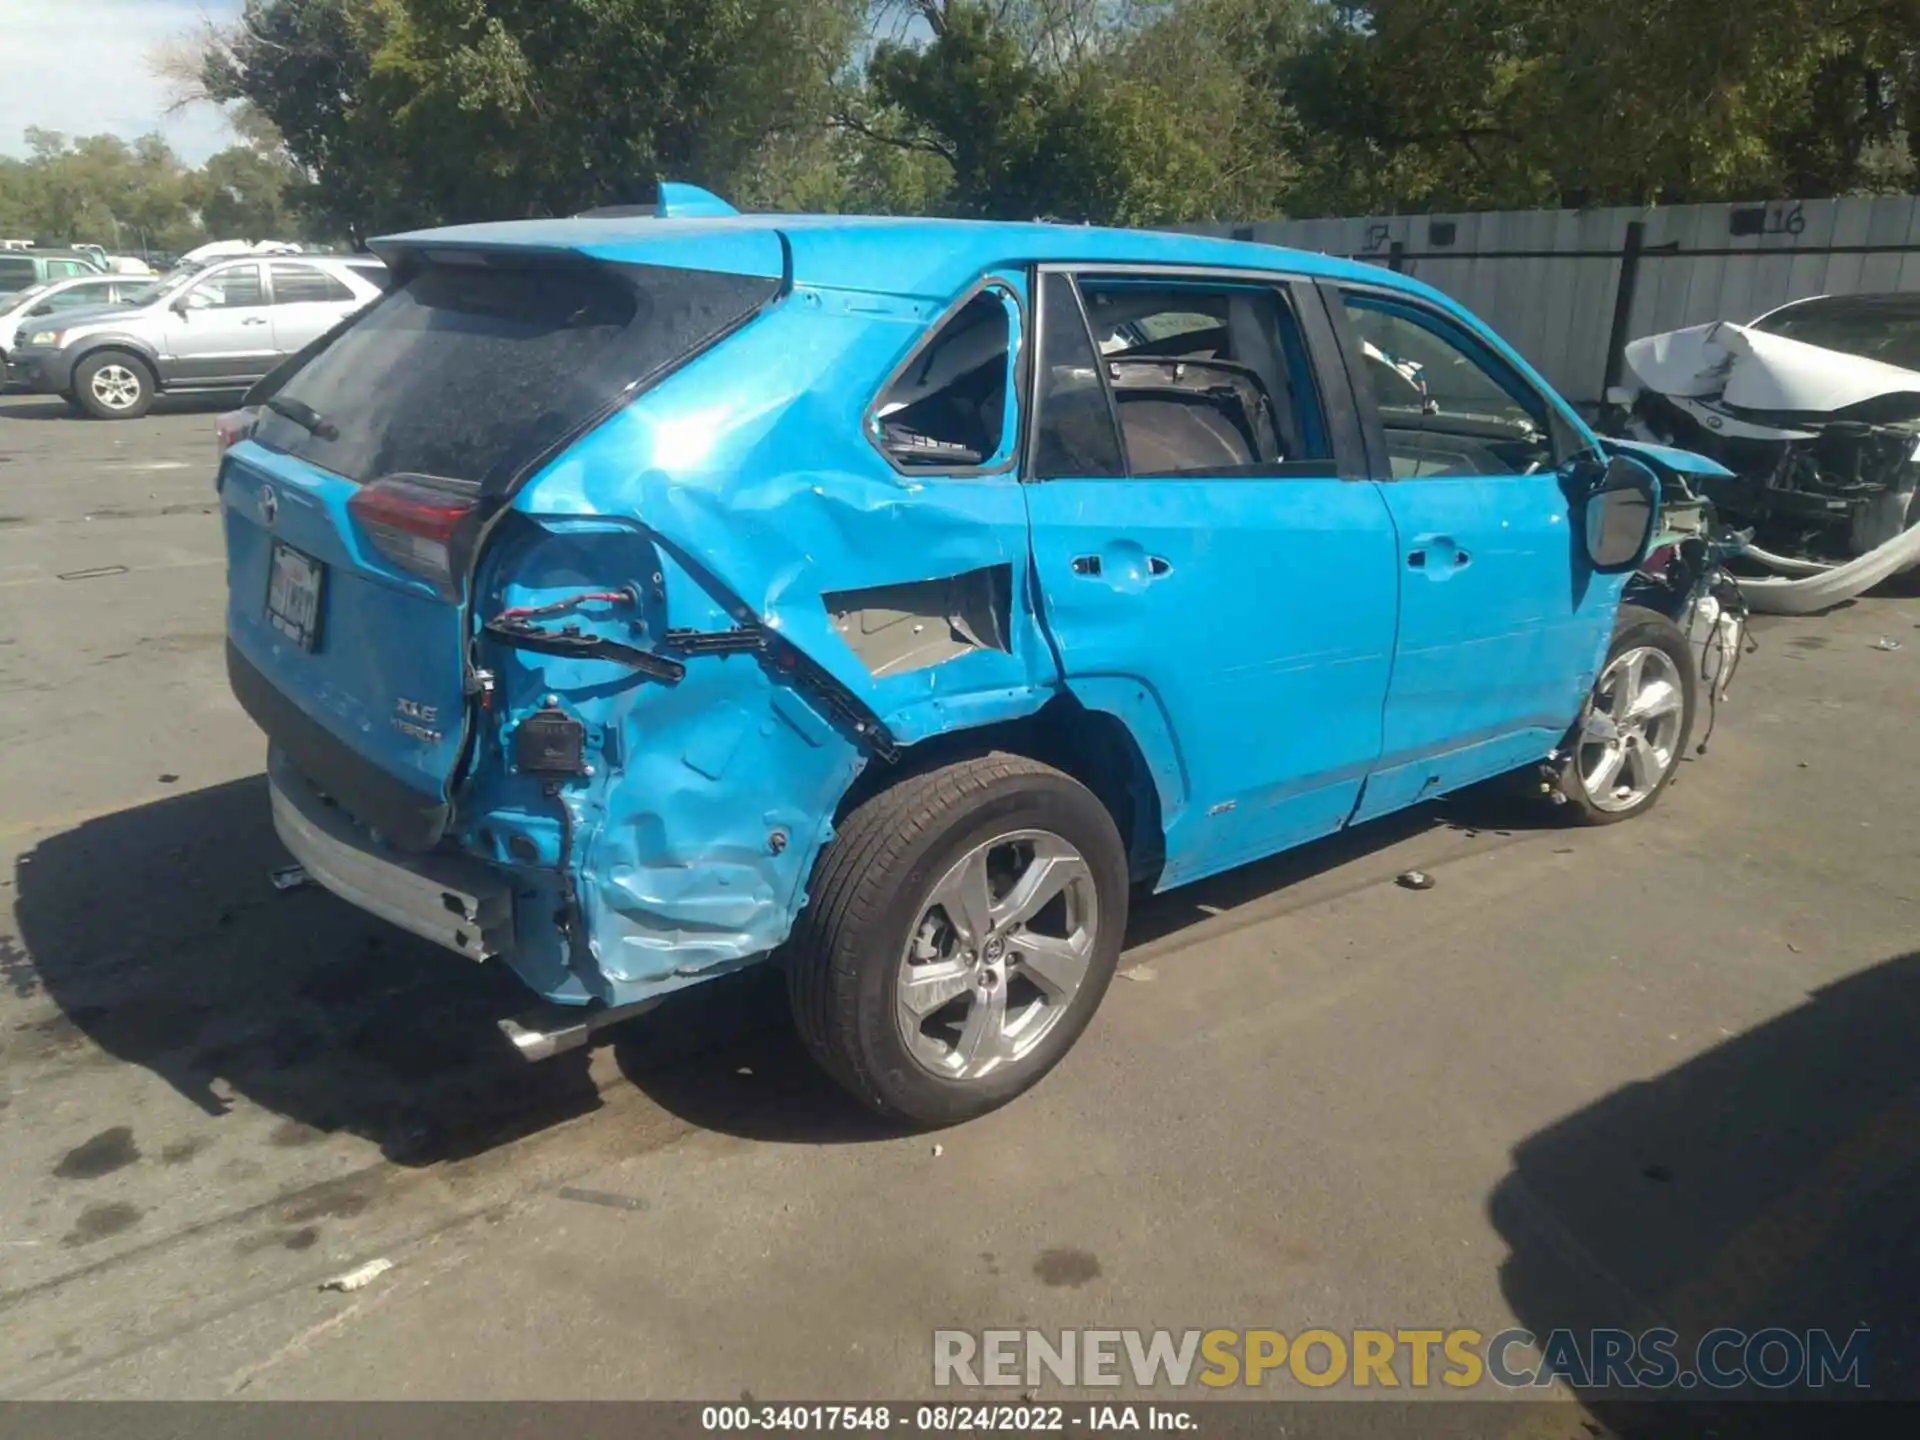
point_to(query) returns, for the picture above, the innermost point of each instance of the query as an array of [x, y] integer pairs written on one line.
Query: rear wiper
[[305, 416]]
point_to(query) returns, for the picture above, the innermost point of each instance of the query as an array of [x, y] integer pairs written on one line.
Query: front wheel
[[1634, 728], [114, 386], [963, 928]]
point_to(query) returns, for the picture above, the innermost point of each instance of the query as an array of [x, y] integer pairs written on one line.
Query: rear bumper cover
[[452, 902], [408, 818]]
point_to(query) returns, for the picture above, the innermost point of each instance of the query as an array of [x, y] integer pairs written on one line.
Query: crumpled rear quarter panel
[[737, 492]]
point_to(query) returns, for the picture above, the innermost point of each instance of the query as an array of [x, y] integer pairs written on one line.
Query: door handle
[[254, 320], [1438, 555]]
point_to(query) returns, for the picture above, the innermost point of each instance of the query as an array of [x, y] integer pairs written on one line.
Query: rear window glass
[[472, 372], [16, 271]]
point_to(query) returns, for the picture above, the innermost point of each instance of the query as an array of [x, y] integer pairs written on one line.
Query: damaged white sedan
[[1815, 408]]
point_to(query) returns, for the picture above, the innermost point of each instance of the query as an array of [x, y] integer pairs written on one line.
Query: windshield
[[1874, 327]]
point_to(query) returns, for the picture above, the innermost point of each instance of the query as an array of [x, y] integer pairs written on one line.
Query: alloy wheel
[[998, 954]]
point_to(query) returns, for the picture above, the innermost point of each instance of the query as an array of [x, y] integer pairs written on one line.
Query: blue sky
[[82, 66]]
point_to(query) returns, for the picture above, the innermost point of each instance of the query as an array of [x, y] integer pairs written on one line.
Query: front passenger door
[[1502, 623], [221, 330]]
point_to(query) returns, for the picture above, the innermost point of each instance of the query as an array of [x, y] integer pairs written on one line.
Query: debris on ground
[[938, 1151], [1414, 880], [358, 1278], [1143, 974], [289, 877], [1884, 643]]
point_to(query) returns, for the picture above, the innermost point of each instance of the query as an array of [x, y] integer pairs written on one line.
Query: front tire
[[1634, 728], [963, 928], [113, 386]]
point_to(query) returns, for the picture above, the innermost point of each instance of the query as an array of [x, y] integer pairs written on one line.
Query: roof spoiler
[[674, 201]]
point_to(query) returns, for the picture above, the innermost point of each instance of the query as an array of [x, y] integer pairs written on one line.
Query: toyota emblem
[[269, 505]]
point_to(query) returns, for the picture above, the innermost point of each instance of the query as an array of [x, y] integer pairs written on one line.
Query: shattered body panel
[[1823, 442], [732, 497]]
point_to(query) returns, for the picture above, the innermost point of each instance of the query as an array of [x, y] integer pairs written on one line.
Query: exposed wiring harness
[[629, 596]]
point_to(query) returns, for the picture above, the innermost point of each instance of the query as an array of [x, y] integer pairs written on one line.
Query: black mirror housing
[[1617, 511]]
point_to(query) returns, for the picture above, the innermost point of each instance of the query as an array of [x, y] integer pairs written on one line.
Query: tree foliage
[[1518, 103], [362, 116], [138, 196]]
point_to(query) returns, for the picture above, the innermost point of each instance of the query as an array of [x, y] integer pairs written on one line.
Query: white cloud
[[84, 67]]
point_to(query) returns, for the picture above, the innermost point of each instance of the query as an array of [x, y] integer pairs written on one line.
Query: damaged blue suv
[[632, 598]]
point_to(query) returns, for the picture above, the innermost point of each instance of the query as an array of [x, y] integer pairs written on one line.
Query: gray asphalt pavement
[[1665, 1072]]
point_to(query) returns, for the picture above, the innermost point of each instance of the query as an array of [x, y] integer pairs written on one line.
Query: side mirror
[[179, 306], [1616, 503]]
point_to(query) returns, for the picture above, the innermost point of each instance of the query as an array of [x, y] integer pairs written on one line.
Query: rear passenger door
[[1214, 565], [1502, 625]]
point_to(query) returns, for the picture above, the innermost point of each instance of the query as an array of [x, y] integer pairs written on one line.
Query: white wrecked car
[[1815, 407]]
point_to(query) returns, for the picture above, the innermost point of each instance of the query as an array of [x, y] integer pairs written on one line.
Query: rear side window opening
[[471, 372], [948, 407]]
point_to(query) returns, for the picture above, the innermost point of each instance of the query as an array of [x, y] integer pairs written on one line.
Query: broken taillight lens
[[233, 427], [415, 523]]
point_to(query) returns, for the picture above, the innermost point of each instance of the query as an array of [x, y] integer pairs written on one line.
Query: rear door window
[[17, 272], [306, 285], [472, 372], [1206, 379]]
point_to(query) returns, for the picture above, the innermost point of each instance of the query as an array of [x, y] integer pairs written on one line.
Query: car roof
[[900, 255]]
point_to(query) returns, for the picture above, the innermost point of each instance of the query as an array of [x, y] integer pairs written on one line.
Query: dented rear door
[[820, 528], [1239, 617]]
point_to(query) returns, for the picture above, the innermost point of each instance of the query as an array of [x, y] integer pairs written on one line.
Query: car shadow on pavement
[[1773, 1181], [51, 407], [158, 934], [1497, 809]]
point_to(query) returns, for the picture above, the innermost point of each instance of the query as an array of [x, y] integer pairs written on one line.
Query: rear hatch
[[355, 512]]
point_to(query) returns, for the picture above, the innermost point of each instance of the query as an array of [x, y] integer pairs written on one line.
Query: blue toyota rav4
[[631, 599]]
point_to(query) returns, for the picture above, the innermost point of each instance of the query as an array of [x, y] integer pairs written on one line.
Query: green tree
[[1129, 114], [409, 112], [1518, 103]]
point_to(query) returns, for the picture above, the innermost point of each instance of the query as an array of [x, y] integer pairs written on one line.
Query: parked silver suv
[[221, 328]]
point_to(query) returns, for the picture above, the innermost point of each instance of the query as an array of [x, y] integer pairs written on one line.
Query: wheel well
[[1092, 746]]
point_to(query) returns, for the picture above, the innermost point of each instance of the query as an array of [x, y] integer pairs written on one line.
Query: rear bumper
[[409, 819], [452, 902]]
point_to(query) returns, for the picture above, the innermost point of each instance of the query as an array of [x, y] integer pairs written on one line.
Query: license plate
[[294, 588]]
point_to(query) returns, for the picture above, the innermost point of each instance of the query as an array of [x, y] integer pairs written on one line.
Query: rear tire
[[963, 928], [114, 386], [1634, 728]]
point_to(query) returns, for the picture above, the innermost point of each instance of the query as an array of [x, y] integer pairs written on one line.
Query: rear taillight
[[416, 524], [233, 427]]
